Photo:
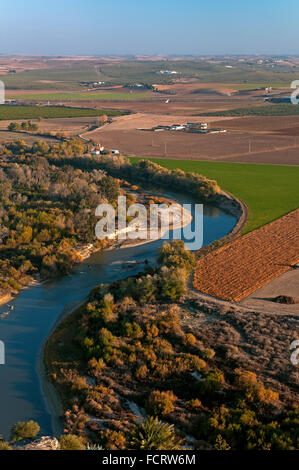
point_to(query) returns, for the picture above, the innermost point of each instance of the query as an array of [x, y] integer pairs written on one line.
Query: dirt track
[[262, 299]]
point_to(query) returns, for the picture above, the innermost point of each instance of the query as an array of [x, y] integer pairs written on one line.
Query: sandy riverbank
[[4, 299]]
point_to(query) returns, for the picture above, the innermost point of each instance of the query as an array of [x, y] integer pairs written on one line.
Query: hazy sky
[[149, 26]]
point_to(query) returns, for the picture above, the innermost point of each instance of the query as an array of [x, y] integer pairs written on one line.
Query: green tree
[[24, 430], [14, 127]]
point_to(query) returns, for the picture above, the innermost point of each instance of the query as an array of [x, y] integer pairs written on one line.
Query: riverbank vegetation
[[147, 173], [48, 196], [46, 213], [121, 363]]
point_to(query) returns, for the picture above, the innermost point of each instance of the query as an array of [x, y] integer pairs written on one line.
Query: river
[[37, 308]]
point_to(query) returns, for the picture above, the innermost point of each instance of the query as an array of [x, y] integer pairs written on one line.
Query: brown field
[[235, 145], [269, 124], [184, 88], [6, 136], [72, 126], [189, 104], [267, 140], [241, 267]]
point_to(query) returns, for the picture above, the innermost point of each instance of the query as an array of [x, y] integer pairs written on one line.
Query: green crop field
[[284, 109], [85, 96], [246, 75], [254, 86], [55, 78], [65, 75], [270, 191], [35, 112]]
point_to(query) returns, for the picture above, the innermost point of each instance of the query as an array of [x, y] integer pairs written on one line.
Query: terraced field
[[239, 268]]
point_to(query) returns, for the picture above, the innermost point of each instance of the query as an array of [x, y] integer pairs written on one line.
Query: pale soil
[[6, 136], [4, 299], [286, 284], [147, 121], [253, 147], [262, 124], [178, 104]]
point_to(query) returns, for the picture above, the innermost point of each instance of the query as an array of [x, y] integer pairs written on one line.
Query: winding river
[[37, 309]]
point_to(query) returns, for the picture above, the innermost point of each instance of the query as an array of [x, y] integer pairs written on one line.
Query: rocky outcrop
[[43, 443]]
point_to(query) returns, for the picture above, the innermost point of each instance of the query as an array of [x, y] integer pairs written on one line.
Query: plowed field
[[239, 268]]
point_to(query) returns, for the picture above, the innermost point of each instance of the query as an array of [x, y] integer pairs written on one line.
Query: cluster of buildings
[[100, 150], [92, 84], [168, 72], [192, 127], [135, 85]]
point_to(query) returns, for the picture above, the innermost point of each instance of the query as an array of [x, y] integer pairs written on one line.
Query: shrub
[[4, 445], [133, 330], [153, 434], [194, 404], [175, 255], [198, 363], [24, 430], [208, 353], [213, 381], [221, 444], [160, 403], [141, 372], [106, 337], [189, 339], [172, 286], [114, 440], [254, 390], [146, 290], [71, 442], [96, 365]]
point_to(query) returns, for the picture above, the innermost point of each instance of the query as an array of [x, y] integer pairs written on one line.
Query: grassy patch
[[253, 86], [270, 191], [35, 112]]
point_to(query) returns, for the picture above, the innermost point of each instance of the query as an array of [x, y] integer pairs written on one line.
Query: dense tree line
[[45, 213], [23, 126], [148, 173]]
